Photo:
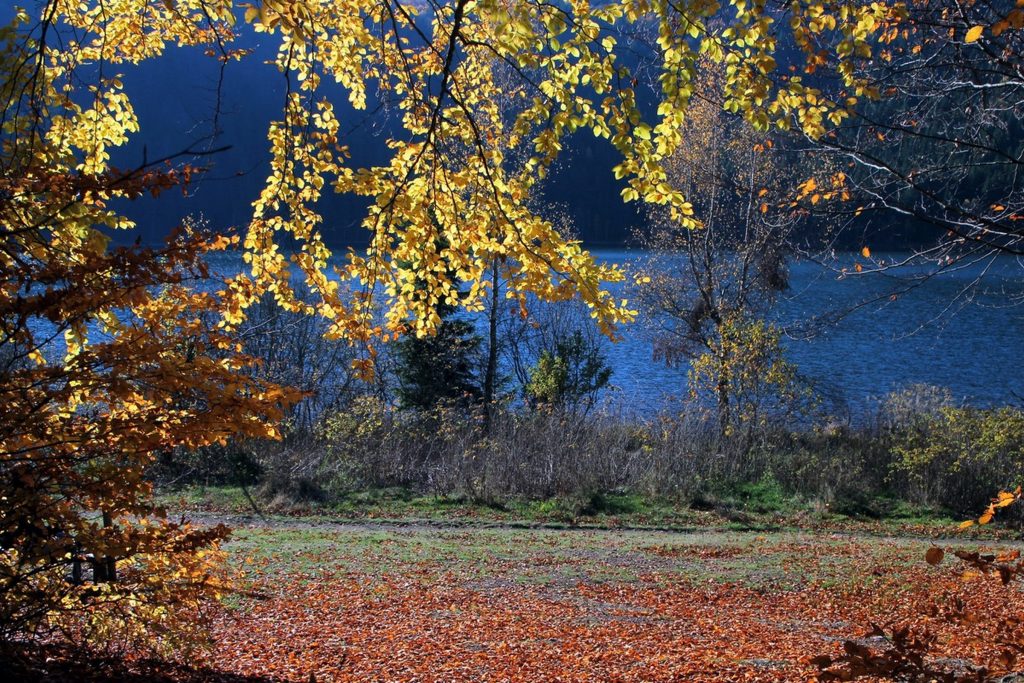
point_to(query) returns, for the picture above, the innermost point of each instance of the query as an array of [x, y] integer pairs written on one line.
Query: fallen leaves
[[372, 603], [448, 632], [538, 610]]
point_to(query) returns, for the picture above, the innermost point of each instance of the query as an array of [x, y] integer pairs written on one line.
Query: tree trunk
[[104, 569], [491, 372], [724, 405]]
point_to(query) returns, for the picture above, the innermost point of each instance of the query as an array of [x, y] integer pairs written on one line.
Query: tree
[[707, 289], [745, 374], [570, 377], [109, 358], [139, 373], [78, 433], [440, 368], [446, 195], [943, 147]]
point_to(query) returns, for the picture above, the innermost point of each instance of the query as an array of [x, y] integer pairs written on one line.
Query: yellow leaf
[[865, 252], [1005, 498], [974, 34]]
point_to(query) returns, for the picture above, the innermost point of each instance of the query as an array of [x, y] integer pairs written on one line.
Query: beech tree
[[446, 201], [109, 359], [106, 359], [83, 550]]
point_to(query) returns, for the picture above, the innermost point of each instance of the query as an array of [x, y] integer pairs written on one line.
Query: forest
[[349, 395]]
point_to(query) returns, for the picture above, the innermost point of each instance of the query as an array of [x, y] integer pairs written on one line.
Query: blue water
[[943, 332], [967, 341]]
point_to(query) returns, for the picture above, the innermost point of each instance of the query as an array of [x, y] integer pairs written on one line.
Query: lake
[[942, 332], [937, 333]]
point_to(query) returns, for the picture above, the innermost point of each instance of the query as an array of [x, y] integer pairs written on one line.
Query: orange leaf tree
[[107, 358]]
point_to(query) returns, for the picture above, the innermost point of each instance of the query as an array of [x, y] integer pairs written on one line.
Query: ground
[[431, 590], [330, 601]]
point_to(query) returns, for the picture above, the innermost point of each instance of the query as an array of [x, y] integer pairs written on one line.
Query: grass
[[786, 560], [759, 506], [745, 583], [211, 498]]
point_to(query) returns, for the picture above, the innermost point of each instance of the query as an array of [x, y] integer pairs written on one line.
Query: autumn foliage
[[83, 549], [412, 604], [108, 356], [908, 649], [112, 355]]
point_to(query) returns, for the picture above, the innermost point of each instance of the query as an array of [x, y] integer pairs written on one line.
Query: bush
[[959, 457], [921, 454], [765, 495], [838, 467], [532, 454], [571, 377]]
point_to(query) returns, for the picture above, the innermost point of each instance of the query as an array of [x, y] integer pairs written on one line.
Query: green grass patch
[[208, 498], [759, 506], [556, 559]]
